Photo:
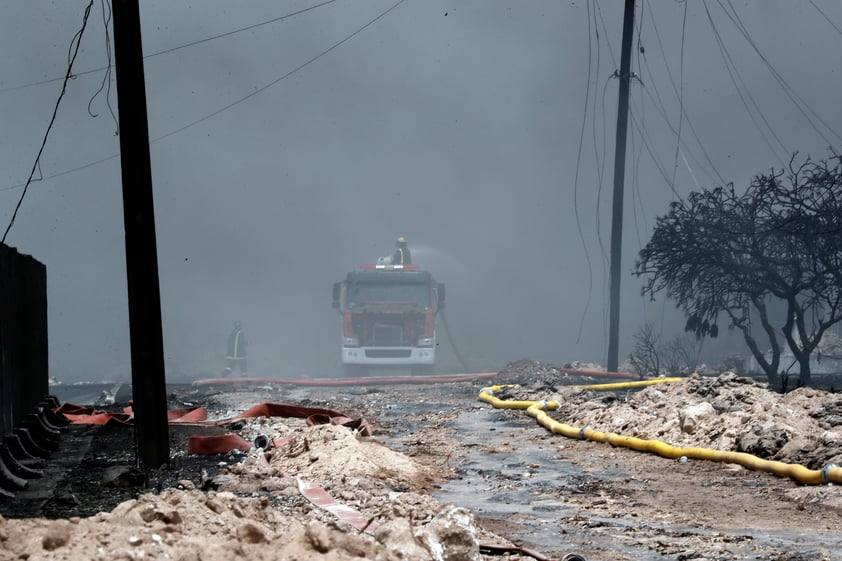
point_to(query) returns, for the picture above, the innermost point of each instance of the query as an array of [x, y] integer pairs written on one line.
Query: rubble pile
[[358, 471], [327, 492], [727, 412], [540, 374], [191, 525], [254, 509]]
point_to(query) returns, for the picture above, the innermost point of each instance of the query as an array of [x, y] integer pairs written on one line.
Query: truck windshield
[[362, 293]]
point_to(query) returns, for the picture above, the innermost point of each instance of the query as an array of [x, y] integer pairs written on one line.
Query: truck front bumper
[[389, 356]]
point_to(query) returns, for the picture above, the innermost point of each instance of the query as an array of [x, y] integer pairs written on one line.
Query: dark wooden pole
[[619, 179], [147, 346]]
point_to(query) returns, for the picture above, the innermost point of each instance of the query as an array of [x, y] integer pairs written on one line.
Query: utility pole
[[147, 341], [619, 178]]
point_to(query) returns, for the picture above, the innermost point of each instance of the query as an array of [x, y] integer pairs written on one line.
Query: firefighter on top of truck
[[401, 256]]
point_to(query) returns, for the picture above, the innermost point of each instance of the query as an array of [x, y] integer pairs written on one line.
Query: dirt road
[[558, 495], [438, 444]]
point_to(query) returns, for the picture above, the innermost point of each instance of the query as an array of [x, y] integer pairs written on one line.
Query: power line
[[576, 178], [680, 96], [824, 15], [606, 261], [659, 108], [607, 37], [177, 48], [636, 152], [649, 149], [788, 90], [106, 78], [603, 252], [600, 158], [675, 90], [287, 75], [737, 79], [234, 103], [77, 39]]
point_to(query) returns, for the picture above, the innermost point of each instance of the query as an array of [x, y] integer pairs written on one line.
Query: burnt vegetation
[[768, 261]]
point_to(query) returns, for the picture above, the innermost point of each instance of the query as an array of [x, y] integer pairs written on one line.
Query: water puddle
[[526, 488]]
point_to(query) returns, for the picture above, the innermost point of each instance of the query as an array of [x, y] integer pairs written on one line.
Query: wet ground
[[558, 495], [540, 490], [551, 498]]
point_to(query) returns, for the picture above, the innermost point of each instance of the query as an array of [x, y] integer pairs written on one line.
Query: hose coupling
[[545, 405], [487, 390], [262, 441], [826, 472], [582, 432]]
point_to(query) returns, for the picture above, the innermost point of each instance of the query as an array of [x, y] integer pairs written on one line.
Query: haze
[[455, 124]]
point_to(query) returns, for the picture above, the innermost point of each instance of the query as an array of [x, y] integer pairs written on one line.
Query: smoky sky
[[482, 130]]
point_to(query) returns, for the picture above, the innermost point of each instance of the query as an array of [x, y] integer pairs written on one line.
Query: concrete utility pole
[[619, 178], [147, 341]]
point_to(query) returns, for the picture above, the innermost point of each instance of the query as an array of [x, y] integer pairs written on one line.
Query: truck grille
[[385, 335], [388, 353]]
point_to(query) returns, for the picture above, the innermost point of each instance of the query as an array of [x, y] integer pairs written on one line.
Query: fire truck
[[388, 318]]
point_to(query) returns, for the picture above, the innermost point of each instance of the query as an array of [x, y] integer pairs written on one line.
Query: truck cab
[[388, 318]]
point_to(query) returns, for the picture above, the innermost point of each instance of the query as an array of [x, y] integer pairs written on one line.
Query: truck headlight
[[425, 342], [351, 341]]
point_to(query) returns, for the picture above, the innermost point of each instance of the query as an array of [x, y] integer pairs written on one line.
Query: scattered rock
[[123, 476], [690, 417], [397, 535], [763, 442], [55, 536], [451, 536], [252, 533]]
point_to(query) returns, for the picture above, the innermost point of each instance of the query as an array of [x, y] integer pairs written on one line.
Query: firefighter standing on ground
[[237, 343], [401, 256]]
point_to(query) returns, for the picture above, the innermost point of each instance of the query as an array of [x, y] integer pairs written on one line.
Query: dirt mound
[[257, 512], [261, 505], [541, 375], [188, 526], [328, 452], [727, 412]]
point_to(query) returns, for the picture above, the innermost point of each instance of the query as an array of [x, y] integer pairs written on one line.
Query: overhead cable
[[576, 177], [680, 95], [179, 47], [659, 108], [736, 79], [663, 111], [799, 102], [647, 144], [232, 104], [106, 77], [824, 15], [635, 151], [75, 42], [287, 75]]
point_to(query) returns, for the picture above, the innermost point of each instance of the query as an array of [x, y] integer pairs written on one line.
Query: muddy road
[[559, 495], [435, 444]]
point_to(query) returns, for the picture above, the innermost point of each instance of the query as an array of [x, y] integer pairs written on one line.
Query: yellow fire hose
[[537, 410], [629, 385]]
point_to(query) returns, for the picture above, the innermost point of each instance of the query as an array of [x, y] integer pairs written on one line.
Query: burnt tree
[[721, 253]]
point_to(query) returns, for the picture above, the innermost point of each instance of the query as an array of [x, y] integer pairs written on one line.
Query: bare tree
[[721, 253], [681, 353], [644, 358]]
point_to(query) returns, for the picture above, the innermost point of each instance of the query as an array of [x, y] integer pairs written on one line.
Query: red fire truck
[[388, 318]]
